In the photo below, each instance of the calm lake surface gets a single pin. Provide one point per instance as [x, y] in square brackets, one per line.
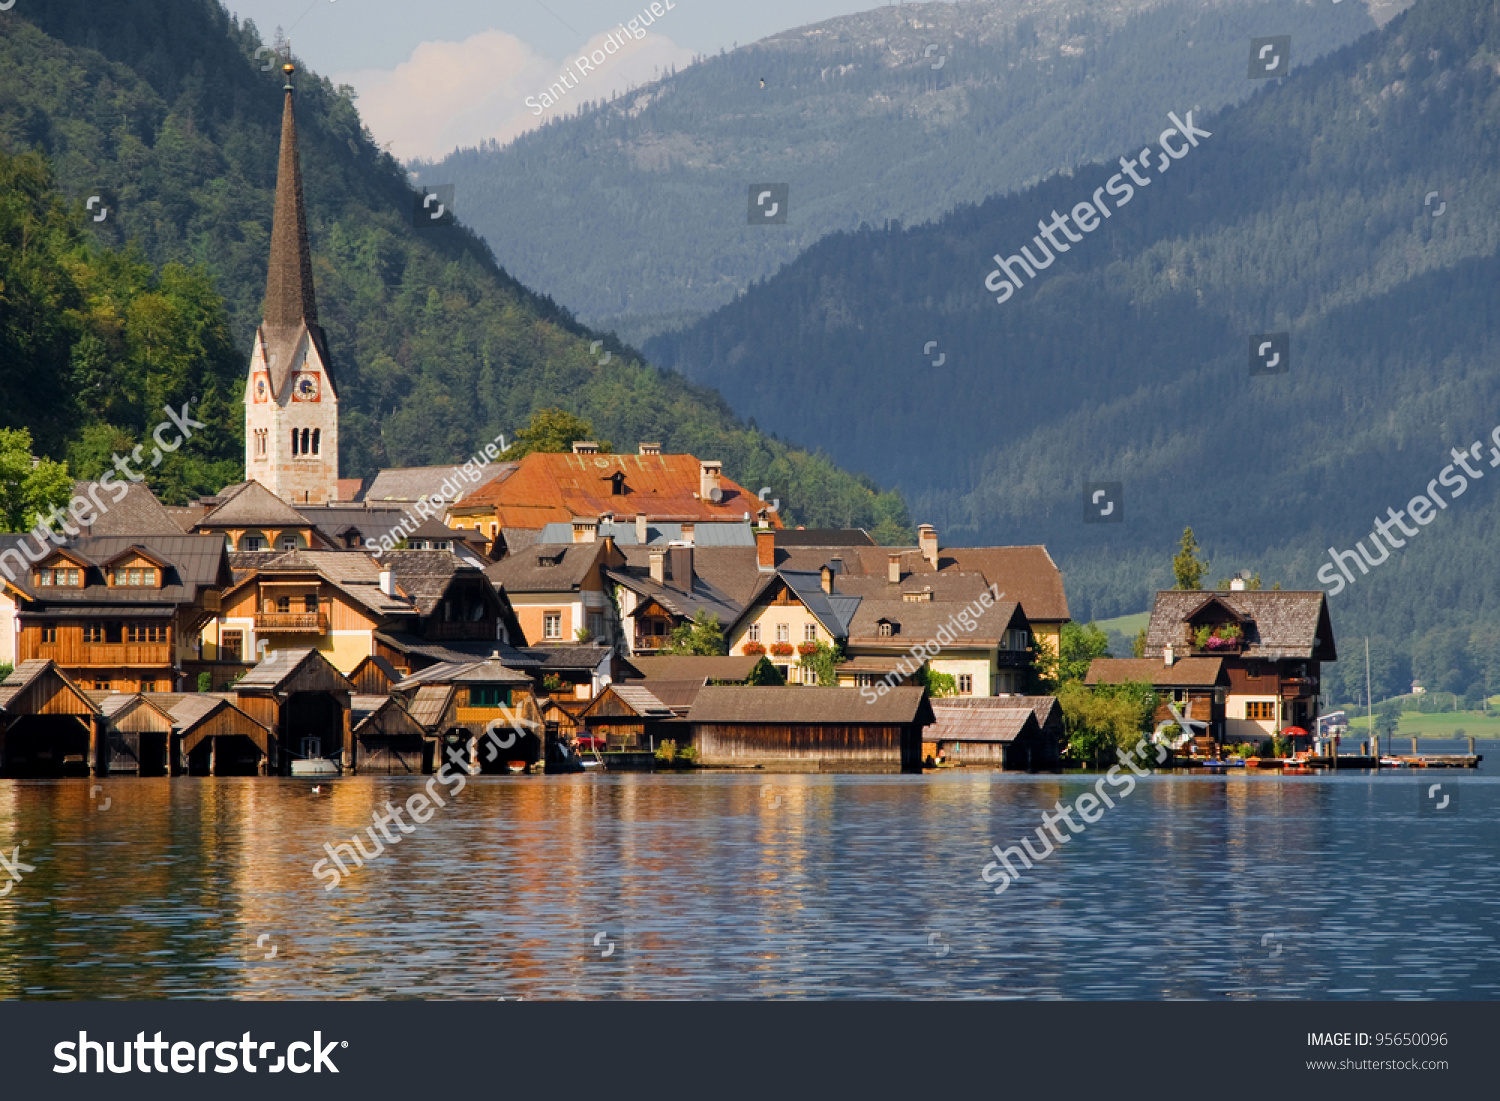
[719, 886]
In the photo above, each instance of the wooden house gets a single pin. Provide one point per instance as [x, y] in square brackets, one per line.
[1272, 645]
[304, 701]
[374, 676]
[801, 729]
[1004, 738]
[117, 613]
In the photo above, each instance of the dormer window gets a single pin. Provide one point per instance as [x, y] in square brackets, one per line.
[134, 577]
[617, 483]
[60, 577]
[887, 628]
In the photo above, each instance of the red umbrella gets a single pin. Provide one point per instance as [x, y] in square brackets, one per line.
[1294, 732]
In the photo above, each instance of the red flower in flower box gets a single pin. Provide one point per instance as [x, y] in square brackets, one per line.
[754, 648]
[781, 649]
[807, 649]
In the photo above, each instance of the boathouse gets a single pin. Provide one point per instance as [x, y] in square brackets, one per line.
[1005, 738]
[459, 703]
[387, 740]
[48, 725]
[304, 702]
[810, 729]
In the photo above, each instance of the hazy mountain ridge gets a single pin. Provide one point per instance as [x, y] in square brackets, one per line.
[634, 213]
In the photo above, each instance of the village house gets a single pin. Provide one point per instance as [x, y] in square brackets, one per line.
[550, 488]
[559, 591]
[1197, 687]
[663, 587]
[115, 612]
[350, 607]
[481, 713]
[1270, 646]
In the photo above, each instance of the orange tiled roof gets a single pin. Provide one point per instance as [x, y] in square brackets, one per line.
[554, 488]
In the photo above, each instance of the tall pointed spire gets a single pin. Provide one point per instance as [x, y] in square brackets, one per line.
[289, 281]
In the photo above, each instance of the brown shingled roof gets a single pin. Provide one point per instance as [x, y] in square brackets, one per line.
[1286, 624]
[1183, 673]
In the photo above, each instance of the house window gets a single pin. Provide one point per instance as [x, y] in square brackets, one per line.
[867, 680]
[283, 604]
[809, 632]
[755, 632]
[965, 684]
[783, 633]
[61, 576]
[93, 632]
[1017, 640]
[596, 624]
[552, 625]
[810, 677]
[135, 576]
[147, 632]
[489, 695]
[231, 645]
[310, 603]
[49, 635]
[288, 543]
[251, 543]
[1260, 709]
[886, 630]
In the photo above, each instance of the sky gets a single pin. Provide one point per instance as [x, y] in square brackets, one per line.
[448, 73]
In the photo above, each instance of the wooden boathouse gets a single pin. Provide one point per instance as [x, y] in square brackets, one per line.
[304, 701]
[810, 729]
[48, 725]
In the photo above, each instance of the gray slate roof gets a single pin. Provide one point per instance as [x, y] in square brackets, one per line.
[195, 562]
[412, 483]
[1287, 624]
[251, 504]
[138, 513]
[692, 667]
[976, 724]
[487, 671]
[545, 567]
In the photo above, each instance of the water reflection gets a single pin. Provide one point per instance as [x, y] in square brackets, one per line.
[716, 886]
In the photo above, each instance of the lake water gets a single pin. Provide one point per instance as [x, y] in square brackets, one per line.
[736, 886]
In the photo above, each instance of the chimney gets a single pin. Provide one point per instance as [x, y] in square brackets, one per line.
[584, 531]
[927, 540]
[708, 481]
[387, 583]
[893, 574]
[1237, 585]
[682, 567]
[585, 447]
[641, 535]
[688, 531]
[765, 550]
[1167, 656]
[650, 449]
[825, 575]
[658, 571]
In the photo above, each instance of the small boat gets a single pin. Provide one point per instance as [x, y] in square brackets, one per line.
[315, 766]
[1393, 762]
[517, 766]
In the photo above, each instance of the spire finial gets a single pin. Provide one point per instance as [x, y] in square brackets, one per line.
[288, 69]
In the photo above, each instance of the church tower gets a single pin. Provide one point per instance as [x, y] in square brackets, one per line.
[291, 407]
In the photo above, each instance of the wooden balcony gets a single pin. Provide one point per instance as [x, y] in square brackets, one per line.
[483, 714]
[306, 623]
[1293, 687]
[651, 642]
[108, 654]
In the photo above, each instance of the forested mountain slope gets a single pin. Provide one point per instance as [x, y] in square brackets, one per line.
[169, 109]
[1350, 205]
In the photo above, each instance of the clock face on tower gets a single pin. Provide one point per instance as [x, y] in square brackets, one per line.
[306, 387]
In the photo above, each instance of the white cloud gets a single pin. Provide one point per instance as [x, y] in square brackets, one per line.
[450, 94]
